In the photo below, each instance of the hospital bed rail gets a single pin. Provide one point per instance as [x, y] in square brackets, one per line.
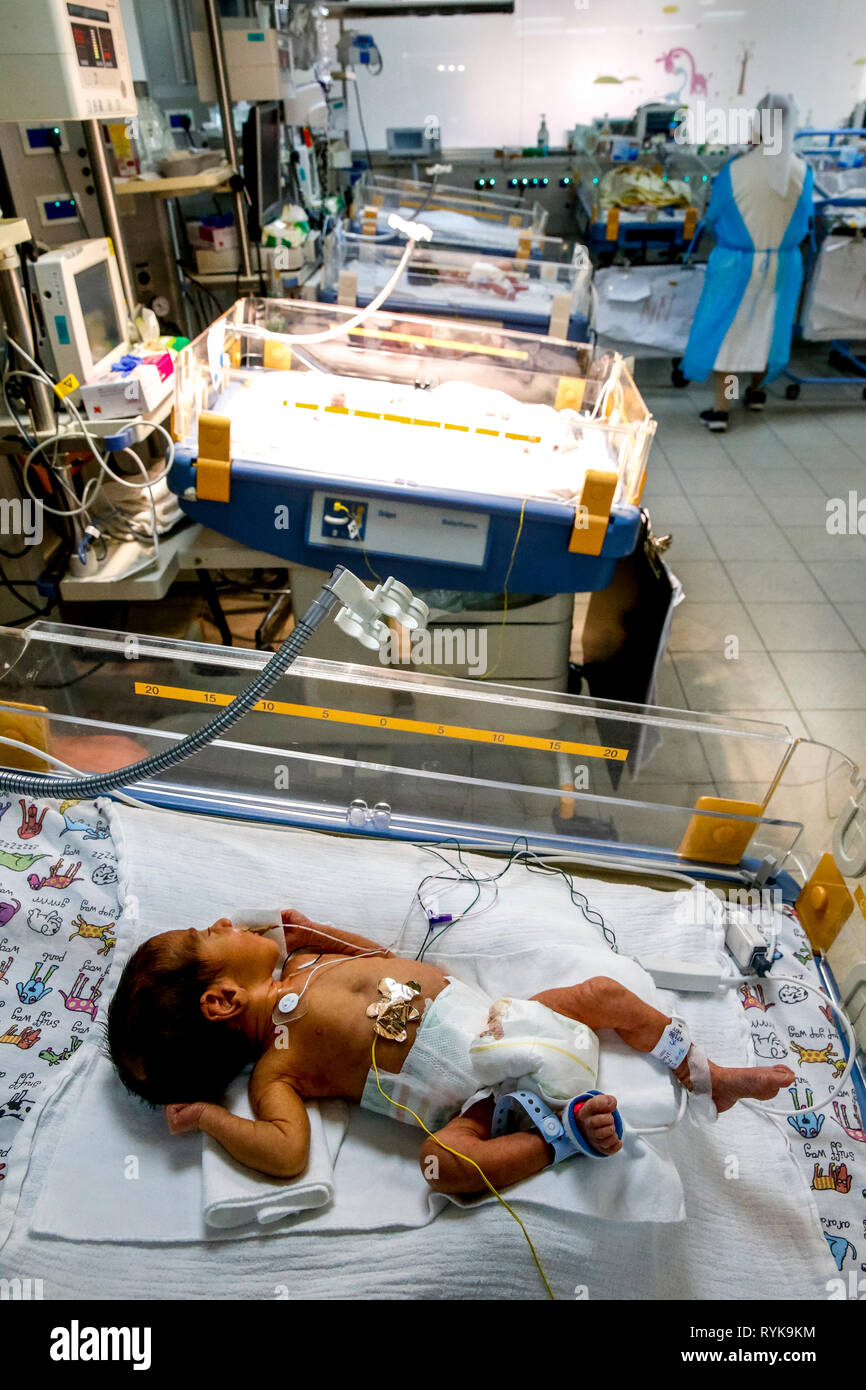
[832, 194]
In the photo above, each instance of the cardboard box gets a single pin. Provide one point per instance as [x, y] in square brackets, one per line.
[122, 395]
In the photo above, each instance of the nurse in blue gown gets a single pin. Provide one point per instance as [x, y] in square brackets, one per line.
[759, 213]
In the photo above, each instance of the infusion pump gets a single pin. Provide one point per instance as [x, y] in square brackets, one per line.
[63, 61]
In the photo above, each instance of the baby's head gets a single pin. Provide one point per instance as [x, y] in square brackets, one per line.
[188, 1011]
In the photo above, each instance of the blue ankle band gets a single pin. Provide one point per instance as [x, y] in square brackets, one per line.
[562, 1135]
[543, 1119]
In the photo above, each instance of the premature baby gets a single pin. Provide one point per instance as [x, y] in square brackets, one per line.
[193, 1008]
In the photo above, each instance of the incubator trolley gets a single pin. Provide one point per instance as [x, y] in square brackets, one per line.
[451, 455]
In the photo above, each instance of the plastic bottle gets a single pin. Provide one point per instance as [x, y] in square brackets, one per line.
[542, 139]
[605, 144]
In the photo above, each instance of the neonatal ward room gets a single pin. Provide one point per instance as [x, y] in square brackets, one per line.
[432, 667]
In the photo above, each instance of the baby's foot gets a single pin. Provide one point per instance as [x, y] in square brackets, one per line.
[595, 1122]
[730, 1084]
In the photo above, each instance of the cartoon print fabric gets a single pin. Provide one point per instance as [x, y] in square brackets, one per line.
[791, 1025]
[58, 911]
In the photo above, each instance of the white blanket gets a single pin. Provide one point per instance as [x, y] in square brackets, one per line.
[190, 879]
[233, 1195]
[752, 1233]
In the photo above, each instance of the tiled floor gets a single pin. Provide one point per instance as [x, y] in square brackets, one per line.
[748, 514]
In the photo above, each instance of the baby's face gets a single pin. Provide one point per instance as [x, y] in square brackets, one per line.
[240, 955]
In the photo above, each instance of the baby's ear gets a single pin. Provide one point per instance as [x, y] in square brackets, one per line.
[223, 1000]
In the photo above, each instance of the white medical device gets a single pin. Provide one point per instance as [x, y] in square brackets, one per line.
[61, 61]
[411, 140]
[83, 307]
[655, 118]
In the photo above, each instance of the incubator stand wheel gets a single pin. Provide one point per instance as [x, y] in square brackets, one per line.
[676, 374]
[792, 391]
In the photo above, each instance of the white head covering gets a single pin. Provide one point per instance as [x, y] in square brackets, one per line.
[776, 131]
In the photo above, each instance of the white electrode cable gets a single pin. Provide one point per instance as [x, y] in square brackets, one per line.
[65, 767]
[60, 435]
[415, 232]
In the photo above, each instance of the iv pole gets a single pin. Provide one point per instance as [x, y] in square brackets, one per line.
[107, 199]
[221, 81]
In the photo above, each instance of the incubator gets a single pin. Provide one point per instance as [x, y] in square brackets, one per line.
[532, 295]
[631, 206]
[450, 455]
[388, 752]
[502, 223]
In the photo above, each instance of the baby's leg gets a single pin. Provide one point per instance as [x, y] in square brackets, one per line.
[505, 1160]
[605, 1003]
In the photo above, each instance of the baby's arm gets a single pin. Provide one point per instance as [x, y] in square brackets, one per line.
[503, 1161]
[277, 1143]
[301, 932]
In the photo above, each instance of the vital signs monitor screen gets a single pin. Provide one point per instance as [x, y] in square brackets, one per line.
[103, 331]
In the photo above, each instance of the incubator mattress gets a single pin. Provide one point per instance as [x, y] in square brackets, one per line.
[535, 301]
[495, 444]
[758, 1225]
[459, 228]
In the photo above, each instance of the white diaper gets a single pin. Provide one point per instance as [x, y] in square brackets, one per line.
[466, 1040]
[540, 1050]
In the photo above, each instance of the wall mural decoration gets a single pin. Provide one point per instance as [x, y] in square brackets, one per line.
[681, 62]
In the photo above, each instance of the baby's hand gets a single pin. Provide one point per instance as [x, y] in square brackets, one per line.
[299, 930]
[292, 918]
[184, 1118]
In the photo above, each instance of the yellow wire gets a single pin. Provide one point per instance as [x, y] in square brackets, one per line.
[341, 507]
[511, 1212]
[505, 586]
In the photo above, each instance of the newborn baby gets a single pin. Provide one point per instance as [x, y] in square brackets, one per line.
[194, 1007]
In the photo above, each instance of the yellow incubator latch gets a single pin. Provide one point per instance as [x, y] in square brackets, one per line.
[592, 512]
[277, 355]
[214, 463]
[715, 840]
[824, 904]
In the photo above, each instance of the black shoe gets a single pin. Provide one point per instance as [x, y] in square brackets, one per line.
[754, 399]
[715, 420]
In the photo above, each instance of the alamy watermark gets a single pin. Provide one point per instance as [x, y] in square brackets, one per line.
[464, 648]
[762, 904]
[22, 517]
[701, 124]
[846, 516]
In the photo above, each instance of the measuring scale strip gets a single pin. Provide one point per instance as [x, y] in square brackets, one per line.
[383, 721]
[408, 420]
